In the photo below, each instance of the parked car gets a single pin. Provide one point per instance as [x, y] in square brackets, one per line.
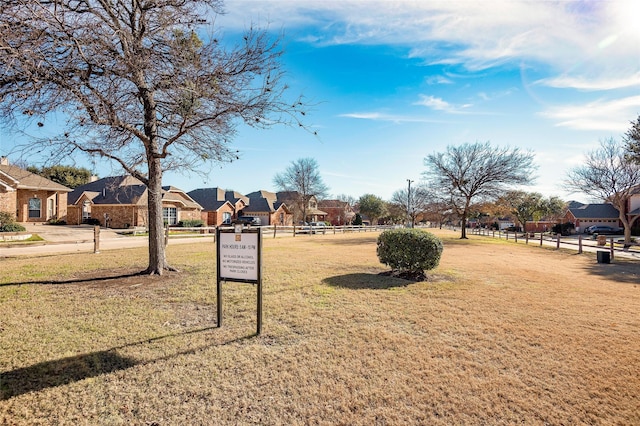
[303, 228]
[247, 220]
[318, 227]
[603, 229]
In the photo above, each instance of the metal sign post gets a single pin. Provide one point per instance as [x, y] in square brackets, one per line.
[239, 259]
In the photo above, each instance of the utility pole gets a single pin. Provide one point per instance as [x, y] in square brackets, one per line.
[409, 221]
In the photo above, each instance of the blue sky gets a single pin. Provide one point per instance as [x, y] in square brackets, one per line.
[393, 81]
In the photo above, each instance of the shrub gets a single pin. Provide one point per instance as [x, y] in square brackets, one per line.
[12, 227]
[6, 217]
[56, 222]
[193, 223]
[409, 250]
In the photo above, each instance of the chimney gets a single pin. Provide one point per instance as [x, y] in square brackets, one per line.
[4, 161]
[93, 178]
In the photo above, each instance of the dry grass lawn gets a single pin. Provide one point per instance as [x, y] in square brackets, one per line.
[499, 334]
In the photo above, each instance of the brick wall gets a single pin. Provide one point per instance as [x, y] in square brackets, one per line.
[8, 202]
[22, 205]
[211, 218]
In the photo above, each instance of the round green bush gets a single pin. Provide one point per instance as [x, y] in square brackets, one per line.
[12, 227]
[409, 250]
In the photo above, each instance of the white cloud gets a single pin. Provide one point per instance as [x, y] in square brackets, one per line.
[439, 104]
[434, 103]
[438, 79]
[579, 40]
[605, 115]
[592, 84]
[377, 116]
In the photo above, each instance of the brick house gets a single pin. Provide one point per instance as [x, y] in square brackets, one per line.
[585, 215]
[32, 198]
[268, 208]
[219, 206]
[338, 212]
[295, 204]
[121, 202]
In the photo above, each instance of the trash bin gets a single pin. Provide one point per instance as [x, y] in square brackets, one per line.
[604, 256]
[602, 240]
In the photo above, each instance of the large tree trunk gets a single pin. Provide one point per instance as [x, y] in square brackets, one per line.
[157, 258]
[463, 222]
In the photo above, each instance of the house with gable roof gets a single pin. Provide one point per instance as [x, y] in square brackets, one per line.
[219, 206]
[121, 202]
[338, 212]
[585, 215]
[296, 204]
[32, 198]
[267, 206]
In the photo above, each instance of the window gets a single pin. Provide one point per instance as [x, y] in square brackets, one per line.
[226, 217]
[86, 210]
[35, 205]
[170, 215]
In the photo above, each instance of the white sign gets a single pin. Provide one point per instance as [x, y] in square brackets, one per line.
[239, 256]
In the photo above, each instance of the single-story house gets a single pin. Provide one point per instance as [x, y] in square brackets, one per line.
[32, 198]
[585, 215]
[219, 206]
[121, 202]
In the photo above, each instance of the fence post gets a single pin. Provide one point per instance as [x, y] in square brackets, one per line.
[579, 244]
[166, 235]
[541, 239]
[611, 249]
[526, 238]
[96, 239]
[275, 227]
[515, 236]
[557, 241]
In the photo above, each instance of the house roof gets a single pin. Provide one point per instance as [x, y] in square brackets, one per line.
[264, 201]
[211, 199]
[262, 194]
[575, 204]
[595, 211]
[28, 180]
[126, 190]
[177, 195]
[111, 190]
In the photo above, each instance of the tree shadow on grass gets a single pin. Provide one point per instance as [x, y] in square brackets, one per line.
[87, 279]
[366, 281]
[60, 372]
[619, 270]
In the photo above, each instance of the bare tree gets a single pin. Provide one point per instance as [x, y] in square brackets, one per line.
[476, 171]
[412, 203]
[138, 86]
[609, 175]
[303, 178]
